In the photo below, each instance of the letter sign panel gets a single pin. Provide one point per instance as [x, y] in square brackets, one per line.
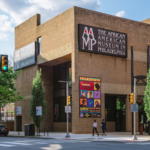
[18, 110]
[102, 41]
[25, 56]
[38, 110]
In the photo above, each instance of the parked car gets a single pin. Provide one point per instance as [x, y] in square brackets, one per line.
[3, 130]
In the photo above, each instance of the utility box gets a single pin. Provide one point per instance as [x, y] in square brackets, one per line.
[29, 129]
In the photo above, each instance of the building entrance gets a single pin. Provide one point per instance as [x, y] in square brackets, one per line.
[115, 111]
[18, 123]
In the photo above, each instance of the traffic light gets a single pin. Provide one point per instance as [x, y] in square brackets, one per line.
[131, 98]
[4, 63]
[68, 100]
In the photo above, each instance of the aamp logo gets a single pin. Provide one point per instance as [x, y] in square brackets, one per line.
[88, 39]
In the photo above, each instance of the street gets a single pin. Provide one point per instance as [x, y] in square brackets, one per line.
[24, 143]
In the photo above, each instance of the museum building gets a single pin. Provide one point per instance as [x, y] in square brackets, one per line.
[90, 49]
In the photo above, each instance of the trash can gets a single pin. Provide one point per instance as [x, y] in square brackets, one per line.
[29, 129]
[32, 130]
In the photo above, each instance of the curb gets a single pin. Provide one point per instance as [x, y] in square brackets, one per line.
[94, 140]
[30, 137]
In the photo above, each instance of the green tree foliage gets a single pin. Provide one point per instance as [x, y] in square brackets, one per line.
[147, 97]
[37, 99]
[7, 87]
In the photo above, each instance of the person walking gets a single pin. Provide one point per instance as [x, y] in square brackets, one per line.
[95, 127]
[103, 125]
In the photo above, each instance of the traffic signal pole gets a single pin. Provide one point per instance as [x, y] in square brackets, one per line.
[132, 74]
[67, 82]
[67, 135]
[134, 133]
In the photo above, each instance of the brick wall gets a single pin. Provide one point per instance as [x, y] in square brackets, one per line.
[115, 72]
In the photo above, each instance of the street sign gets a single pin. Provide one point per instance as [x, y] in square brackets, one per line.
[18, 110]
[134, 108]
[38, 110]
[67, 109]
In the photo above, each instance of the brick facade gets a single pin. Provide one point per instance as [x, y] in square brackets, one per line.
[60, 44]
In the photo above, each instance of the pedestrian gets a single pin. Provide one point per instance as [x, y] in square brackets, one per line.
[95, 127]
[103, 125]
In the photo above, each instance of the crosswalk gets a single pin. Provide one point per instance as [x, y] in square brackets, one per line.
[139, 143]
[54, 141]
[39, 142]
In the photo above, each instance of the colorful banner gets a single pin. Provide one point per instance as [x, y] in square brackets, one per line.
[84, 85]
[90, 97]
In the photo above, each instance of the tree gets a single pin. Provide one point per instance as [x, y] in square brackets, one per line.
[7, 87]
[37, 99]
[147, 97]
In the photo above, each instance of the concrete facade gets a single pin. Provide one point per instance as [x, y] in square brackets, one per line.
[60, 44]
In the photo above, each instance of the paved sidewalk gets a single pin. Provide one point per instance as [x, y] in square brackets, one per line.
[110, 136]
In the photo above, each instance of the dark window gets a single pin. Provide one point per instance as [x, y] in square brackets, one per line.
[61, 73]
[39, 45]
[62, 76]
[110, 108]
[56, 77]
[62, 102]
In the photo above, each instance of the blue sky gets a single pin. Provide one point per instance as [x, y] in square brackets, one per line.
[14, 12]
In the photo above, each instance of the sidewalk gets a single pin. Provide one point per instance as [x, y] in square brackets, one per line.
[111, 136]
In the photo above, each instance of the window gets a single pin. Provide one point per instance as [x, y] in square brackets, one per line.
[39, 45]
[60, 72]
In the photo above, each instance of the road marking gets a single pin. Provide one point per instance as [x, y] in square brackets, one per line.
[84, 141]
[142, 143]
[7, 145]
[28, 141]
[39, 143]
[17, 143]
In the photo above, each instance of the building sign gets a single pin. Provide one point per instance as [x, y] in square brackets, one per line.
[67, 109]
[38, 110]
[18, 110]
[102, 41]
[134, 108]
[25, 56]
[90, 97]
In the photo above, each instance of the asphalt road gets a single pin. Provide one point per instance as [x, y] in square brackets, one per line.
[24, 143]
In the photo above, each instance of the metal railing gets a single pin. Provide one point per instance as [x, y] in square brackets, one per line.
[47, 130]
[6, 116]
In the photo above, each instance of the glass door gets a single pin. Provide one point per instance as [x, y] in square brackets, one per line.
[120, 113]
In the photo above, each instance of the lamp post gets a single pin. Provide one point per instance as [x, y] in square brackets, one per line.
[67, 82]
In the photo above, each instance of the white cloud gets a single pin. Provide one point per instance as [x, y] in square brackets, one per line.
[98, 5]
[3, 18]
[5, 24]
[120, 14]
[17, 11]
[3, 36]
[20, 10]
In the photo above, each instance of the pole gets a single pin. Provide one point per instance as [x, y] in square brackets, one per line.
[67, 135]
[39, 125]
[132, 80]
[147, 58]
[134, 136]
